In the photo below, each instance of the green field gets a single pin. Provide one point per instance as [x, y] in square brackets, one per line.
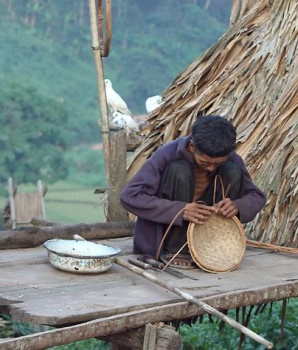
[68, 203]
[71, 204]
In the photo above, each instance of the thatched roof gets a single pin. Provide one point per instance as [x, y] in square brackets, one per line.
[250, 76]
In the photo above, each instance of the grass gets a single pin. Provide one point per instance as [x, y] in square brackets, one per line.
[70, 204]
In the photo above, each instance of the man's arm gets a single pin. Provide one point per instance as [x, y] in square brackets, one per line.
[140, 195]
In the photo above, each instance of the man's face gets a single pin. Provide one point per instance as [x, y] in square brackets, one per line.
[204, 162]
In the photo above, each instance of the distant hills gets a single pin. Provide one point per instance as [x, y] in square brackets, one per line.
[47, 45]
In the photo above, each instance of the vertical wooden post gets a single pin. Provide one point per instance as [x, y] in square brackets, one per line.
[12, 203]
[150, 337]
[117, 177]
[103, 121]
[41, 195]
[158, 337]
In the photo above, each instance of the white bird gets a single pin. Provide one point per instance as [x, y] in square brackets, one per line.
[124, 121]
[153, 102]
[114, 100]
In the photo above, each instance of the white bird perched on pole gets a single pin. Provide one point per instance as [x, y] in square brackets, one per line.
[114, 100]
[153, 102]
[124, 121]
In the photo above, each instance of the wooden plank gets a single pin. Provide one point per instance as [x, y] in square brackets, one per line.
[104, 326]
[38, 293]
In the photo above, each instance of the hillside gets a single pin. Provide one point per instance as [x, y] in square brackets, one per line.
[47, 45]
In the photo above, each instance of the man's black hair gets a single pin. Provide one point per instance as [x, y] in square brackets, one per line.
[214, 136]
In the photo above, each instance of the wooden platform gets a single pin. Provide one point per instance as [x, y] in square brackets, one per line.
[36, 292]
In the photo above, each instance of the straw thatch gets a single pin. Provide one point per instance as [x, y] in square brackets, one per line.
[249, 76]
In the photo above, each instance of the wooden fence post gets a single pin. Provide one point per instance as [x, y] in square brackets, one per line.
[117, 177]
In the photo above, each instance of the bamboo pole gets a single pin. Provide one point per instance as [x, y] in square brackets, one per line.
[189, 298]
[103, 121]
[197, 302]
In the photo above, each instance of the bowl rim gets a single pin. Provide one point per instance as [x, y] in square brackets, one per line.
[78, 256]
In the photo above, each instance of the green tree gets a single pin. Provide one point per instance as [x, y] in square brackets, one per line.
[152, 42]
[33, 137]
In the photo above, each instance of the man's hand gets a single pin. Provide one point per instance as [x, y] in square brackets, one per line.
[226, 208]
[197, 213]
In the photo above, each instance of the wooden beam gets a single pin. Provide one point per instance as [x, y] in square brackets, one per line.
[92, 329]
[28, 237]
[138, 318]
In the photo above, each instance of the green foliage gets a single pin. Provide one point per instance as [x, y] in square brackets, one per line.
[32, 139]
[12, 329]
[90, 344]
[152, 42]
[86, 166]
[268, 324]
[53, 71]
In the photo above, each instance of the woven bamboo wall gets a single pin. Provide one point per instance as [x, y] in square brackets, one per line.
[27, 206]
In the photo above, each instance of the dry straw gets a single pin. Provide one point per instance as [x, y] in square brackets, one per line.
[249, 76]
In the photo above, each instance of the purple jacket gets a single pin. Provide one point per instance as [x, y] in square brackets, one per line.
[140, 196]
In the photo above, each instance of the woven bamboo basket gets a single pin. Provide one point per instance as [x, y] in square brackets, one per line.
[218, 245]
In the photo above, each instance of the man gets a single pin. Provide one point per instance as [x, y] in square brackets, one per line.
[180, 177]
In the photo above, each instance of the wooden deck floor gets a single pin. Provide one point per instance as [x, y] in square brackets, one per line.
[37, 293]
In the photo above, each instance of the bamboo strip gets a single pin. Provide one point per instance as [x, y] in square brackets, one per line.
[274, 247]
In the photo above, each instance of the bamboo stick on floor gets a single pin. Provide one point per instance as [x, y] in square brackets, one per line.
[197, 302]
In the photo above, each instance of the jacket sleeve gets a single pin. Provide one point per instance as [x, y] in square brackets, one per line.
[252, 200]
[140, 195]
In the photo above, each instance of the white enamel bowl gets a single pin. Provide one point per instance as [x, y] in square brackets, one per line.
[80, 256]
